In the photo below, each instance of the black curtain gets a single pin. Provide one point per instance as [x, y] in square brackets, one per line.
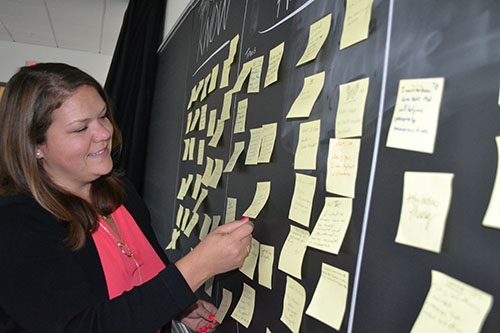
[131, 79]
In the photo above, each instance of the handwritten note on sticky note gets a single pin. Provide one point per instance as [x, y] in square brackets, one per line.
[303, 104]
[238, 149]
[216, 174]
[302, 199]
[196, 188]
[194, 122]
[192, 145]
[254, 80]
[243, 312]
[231, 209]
[259, 200]
[267, 144]
[212, 120]
[241, 116]
[201, 152]
[275, 56]
[248, 267]
[213, 79]
[173, 240]
[205, 87]
[185, 218]
[415, 119]
[342, 166]
[201, 198]
[226, 105]
[356, 22]
[224, 305]
[293, 251]
[351, 108]
[215, 222]
[188, 122]
[307, 148]
[209, 286]
[452, 306]
[207, 174]
[192, 223]
[186, 149]
[266, 260]
[330, 297]
[330, 229]
[293, 304]
[178, 220]
[226, 67]
[254, 146]
[207, 221]
[492, 217]
[426, 199]
[242, 76]
[318, 32]
[203, 118]
[217, 134]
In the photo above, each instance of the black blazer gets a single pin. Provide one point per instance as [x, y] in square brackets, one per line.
[45, 287]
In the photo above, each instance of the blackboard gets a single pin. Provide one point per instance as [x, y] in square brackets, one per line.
[388, 282]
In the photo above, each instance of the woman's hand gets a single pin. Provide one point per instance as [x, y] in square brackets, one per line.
[223, 250]
[200, 315]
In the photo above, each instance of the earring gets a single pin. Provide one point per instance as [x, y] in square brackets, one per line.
[38, 154]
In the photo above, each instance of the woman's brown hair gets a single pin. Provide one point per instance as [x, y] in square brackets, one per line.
[26, 107]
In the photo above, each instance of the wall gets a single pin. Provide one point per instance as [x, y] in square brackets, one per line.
[15, 55]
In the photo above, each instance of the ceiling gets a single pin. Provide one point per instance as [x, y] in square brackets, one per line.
[84, 25]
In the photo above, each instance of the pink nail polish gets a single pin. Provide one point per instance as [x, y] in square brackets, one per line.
[211, 317]
[209, 326]
[200, 330]
[204, 329]
[246, 218]
[215, 322]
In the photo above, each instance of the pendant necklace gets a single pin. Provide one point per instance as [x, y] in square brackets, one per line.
[122, 244]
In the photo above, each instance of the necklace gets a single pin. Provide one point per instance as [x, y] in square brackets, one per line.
[122, 245]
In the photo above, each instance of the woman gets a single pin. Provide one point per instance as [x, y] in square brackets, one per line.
[77, 250]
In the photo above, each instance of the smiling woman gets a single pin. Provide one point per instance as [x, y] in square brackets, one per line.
[74, 234]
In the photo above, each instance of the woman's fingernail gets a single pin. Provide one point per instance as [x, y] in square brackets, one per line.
[215, 322]
[209, 326]
[246, 218]
[204, 329]
[200, 330]
[211, 317]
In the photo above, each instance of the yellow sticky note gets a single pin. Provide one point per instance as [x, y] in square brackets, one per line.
[330, 297]
[318, 32]
[351, 108]
[226, 105]
[330, 229]
[209, 286]
[224, 305]
[238, 149]
[248, 267]
[302, 199]
[207, 221]
[216, 174]
[275, 56]
[192, 145]
[293, 305]
[356, 22]
[212, 120]
[452, 306]
[243, 312]
[259, 200]
[215, 222]
[254, 146]
[267, 143]
[180, 195]
[254, 80]
[201, 198]
[184, 187]
[213, 79]
[201, 152]
[188, 120]
[179, 216]
[203, 118]
[242, 76]
[231, 209]
[187, 142]
[302, 106]
[192, 98]
[196, 188]
[209, 168]
[342, 166]
[185, 218]
[192, 223]
[307, 148]
[241, 116]
[173, 240]
[293, 251]
[194, 122]
[415, 119]
[226, 67]
[492, 217]
[426, 199]
[206, 82]
[217, 134]
[266, 260]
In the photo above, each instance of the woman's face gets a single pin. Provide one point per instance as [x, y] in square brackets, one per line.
[77, 149]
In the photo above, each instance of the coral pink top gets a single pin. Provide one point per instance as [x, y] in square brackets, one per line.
[121, 271]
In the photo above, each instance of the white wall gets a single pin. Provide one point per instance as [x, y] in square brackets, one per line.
[14, 55]
[175, 8]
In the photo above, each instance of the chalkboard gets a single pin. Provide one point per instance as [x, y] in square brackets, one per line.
[388, 282]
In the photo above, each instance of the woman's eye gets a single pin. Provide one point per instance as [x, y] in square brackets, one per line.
[104, 117]
[81, 129]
